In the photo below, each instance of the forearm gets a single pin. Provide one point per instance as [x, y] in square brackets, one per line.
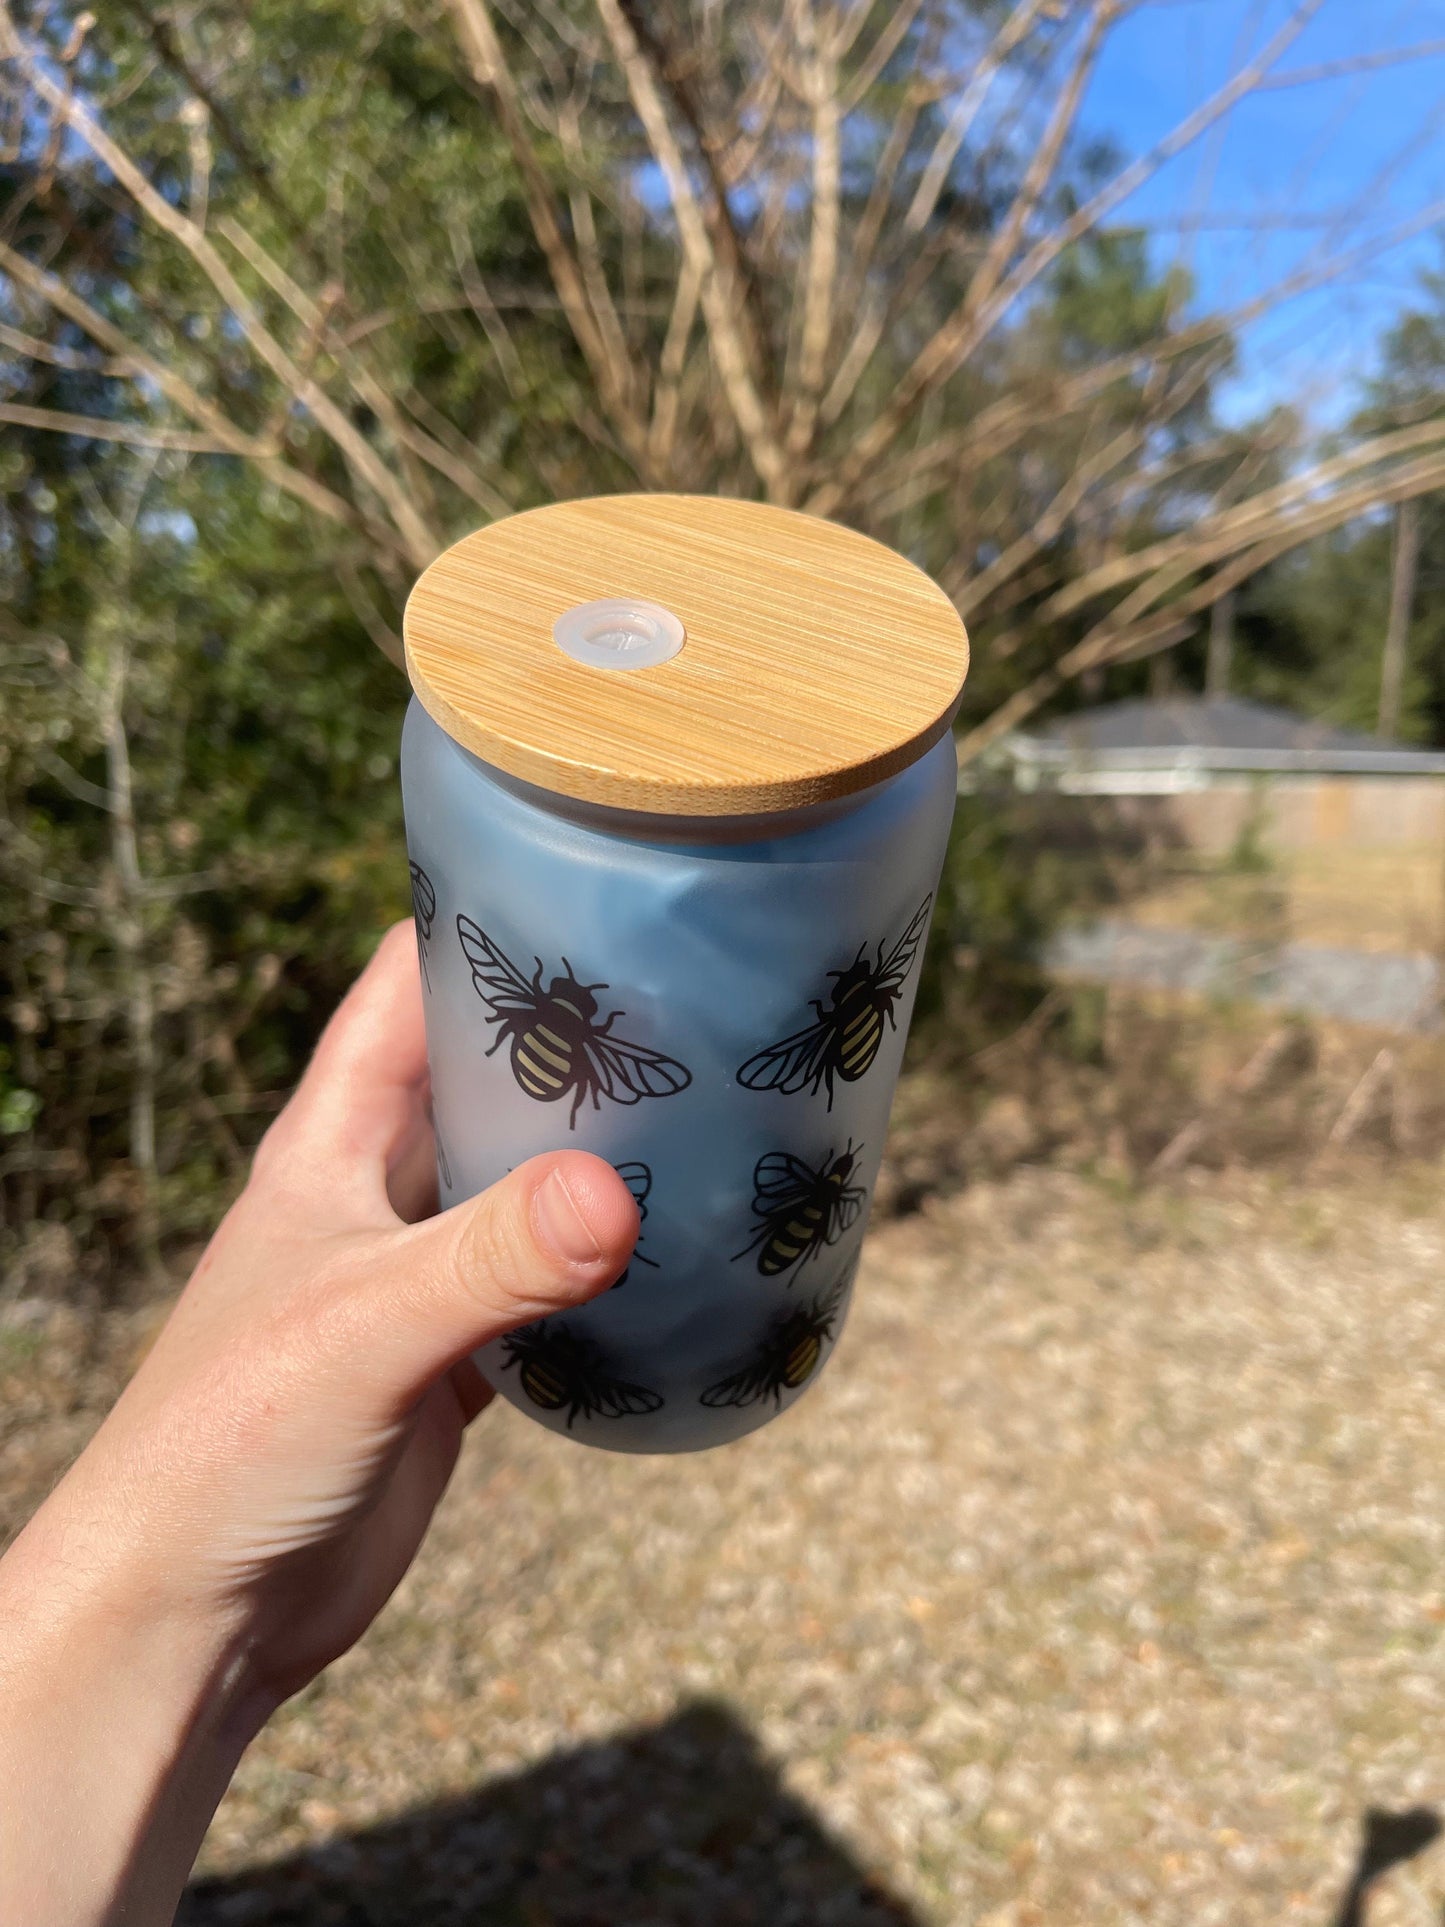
[265, 1479]
[120, 1725]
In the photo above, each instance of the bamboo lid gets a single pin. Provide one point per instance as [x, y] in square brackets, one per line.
[813, 660]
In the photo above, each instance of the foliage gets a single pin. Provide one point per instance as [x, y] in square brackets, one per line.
[290, 297]
[190, 969]
[1017, 867]
[1315, 623]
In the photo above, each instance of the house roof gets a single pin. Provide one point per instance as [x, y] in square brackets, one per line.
[1214, 732]
[1202, 722]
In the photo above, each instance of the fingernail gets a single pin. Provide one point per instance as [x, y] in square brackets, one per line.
[562, 1224]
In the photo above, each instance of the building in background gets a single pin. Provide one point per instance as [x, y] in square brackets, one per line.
[1211, 771]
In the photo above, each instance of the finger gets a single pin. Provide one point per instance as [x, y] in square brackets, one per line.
[366, 1083]
[553, 1233]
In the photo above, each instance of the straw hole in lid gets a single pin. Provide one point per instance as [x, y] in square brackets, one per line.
[619, 632]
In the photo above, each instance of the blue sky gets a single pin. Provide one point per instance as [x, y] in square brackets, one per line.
[1295, 157]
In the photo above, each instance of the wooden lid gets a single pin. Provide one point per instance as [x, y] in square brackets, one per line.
[815, 660]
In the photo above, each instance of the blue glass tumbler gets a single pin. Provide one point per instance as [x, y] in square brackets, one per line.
[678, 781]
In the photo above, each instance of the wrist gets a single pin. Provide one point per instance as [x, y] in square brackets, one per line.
[122, 1719]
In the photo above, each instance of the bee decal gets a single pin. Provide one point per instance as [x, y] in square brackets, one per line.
[638, 1179]
[801, 1210]
[424, 909]
[787, 1358]
[558, 1045]
[557, 1369]
[845, 1039]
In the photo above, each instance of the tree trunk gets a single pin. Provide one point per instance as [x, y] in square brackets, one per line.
[1220, 657]
[129, 935]
[1397, 632]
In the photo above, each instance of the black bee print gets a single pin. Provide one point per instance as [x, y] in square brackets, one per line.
[788, 1356]
[845, 1039]
[559, 1370]
[424, 909]
[801, 1209]
[638, 1179]
[558, 1046]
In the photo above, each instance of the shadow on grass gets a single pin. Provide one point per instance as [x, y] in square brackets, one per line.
[1386, 1840]
[680, 1825]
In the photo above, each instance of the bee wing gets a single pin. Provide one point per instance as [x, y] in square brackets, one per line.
[423, 899]
[741, 1388]
[498, 981]
[617, 1400]
[779, 1175]
[900, 958]
[791, 1064]
[845, 1211]
[627, 1072]
[638, 1179]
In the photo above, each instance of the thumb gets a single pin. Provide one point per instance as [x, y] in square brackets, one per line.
[553, 1233]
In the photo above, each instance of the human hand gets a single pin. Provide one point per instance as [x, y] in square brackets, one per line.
[267, 1476]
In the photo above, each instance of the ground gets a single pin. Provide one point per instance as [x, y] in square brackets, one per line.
[1100, 1578]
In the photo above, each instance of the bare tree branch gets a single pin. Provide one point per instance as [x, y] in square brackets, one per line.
[163, 38]
[189, 400]
[820, 73]
[101, 428]
[1109, 640]
[1355, 64]
[420, 541]
[669, 72]
[1201, 542]
[973, 320]
[478, 37]
[668, 392]
[718, 290]
[1010, 36]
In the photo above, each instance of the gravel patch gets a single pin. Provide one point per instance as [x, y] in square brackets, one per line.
[1396, 991]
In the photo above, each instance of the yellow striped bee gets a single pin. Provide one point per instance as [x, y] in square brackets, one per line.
[788, 1356]
[558, 1046]
[557, 1367]
[638, 1179]
[849, 1029]
[424, 909]
[801, 1209]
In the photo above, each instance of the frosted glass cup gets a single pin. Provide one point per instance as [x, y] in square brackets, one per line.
[713, 997]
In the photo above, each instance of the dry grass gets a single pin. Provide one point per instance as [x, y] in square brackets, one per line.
[1102, 1578]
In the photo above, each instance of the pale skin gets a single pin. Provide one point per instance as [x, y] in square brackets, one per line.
[267, 1476]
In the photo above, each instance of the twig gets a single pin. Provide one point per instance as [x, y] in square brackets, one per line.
[1361, 1100]
[102, 428]
[1183, 1145]
[1010, 36]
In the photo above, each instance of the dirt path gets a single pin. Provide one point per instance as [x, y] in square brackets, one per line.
[1101, 1579]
